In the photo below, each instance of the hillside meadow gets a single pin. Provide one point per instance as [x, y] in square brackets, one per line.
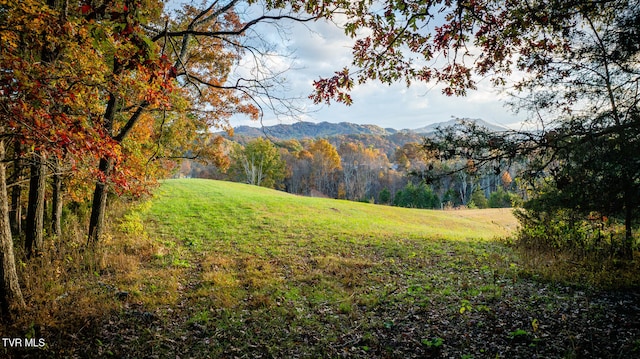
[210, 269]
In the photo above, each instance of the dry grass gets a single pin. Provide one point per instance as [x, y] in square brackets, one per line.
[597, 270]
[72, 284]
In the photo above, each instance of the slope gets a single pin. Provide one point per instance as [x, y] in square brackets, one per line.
[230, 270]
[203, 210]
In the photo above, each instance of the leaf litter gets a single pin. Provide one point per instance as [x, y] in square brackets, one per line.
[454, 305]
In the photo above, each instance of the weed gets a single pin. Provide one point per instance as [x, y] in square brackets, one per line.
[465, 306]
[518, 334]
[201, 317]
[181, 263]
[535, 325]
[345, 307]
[436, 342]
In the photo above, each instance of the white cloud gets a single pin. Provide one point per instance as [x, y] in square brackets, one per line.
[320, 48]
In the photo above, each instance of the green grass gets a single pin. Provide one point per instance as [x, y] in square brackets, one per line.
[245, 239]
[199, 211]
[241, 260]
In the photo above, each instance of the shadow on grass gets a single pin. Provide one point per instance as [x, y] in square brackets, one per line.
[401, 298]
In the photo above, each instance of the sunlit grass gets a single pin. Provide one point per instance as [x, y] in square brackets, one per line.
[228, 211]
[234, 244]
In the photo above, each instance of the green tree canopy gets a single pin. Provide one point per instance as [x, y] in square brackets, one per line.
[258, 163]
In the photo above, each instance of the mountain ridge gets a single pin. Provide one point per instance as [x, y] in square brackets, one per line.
[310, 130]
[434, 126]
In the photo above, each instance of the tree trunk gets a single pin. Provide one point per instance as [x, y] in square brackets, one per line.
[99, 205]
[34, 239]
[628, 238]
[56, 210]
[15, 213]
[11, 300]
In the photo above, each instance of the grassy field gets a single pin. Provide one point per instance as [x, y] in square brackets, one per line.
[250, 243]
[210, 269]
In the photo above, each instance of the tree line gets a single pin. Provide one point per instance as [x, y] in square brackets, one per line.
[343, 168]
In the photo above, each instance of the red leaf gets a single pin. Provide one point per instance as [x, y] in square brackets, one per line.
[85, 9]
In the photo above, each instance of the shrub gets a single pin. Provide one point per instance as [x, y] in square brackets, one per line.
[503, 199]
[385, 196]
[478, 199]
[420, 196]
[569, 231]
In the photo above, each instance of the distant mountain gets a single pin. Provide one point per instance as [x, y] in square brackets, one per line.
[310, 130]
[302, 130]
[434, 126]
[385, 139]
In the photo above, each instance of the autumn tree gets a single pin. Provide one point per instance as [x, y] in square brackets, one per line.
[39, 107]
[301, 165]
[467, 184]
[57, 203]
[412, 159]
[361, 169]
[138, 78]
[34, 241]
[45, 94]
[11, 299]
[325, 163]
[17, 175]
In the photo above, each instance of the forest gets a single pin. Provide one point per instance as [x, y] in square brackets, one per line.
[391, 168]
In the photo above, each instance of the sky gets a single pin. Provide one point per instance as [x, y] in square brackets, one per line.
[318, 49]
